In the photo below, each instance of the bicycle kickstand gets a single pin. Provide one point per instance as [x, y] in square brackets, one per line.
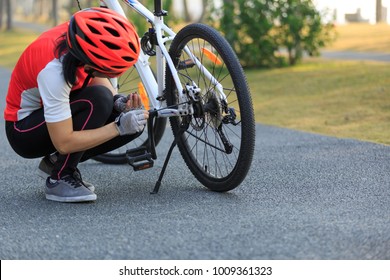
[174, 143]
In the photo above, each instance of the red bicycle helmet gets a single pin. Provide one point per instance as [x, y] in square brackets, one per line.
[103, 39]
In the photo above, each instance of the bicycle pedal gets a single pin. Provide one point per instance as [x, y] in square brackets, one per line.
[188, 63]
[139, 158]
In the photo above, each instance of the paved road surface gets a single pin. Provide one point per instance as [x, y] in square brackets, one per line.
[306, 197]
[349, 55]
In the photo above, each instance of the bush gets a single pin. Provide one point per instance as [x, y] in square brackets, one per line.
[300, 29]
[259, 30]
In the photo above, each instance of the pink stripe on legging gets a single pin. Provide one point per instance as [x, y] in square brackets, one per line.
[27, 130]
[82, 128]
[90, 113]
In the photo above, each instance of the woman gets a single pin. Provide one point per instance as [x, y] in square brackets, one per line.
[61, 104]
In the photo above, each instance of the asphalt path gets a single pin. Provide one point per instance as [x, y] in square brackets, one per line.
[307, 196]
[352, 55]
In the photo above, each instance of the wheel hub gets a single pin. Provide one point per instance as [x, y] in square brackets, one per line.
[213, 109]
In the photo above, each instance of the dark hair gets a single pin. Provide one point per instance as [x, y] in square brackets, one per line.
[69, 61]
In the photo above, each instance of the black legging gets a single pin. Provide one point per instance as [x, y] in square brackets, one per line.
[91, 108]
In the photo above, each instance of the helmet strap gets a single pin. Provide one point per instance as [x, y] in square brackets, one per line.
[86, 81]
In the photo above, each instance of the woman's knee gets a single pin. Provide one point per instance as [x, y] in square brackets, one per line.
[91, 107]
[102, 99]
[97, 100]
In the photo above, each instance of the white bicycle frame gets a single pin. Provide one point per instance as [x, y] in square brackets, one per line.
[155, 88]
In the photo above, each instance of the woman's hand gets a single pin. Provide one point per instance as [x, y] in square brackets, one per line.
[123, 104]
[131, 122]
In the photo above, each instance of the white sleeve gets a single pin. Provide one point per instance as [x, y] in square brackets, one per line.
[54, 92]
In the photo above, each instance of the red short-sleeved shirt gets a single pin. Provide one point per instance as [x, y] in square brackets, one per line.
[37, 81]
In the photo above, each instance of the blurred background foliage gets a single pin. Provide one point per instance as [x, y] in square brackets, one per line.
[339, 98]
[268, 33]
[264, 33]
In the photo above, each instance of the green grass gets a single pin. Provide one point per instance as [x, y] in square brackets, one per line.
[12, 43]
[362, 37]
[343, 99]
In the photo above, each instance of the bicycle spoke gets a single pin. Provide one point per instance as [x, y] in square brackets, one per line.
[214, 141]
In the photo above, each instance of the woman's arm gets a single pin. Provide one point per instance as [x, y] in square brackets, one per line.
[67, 141]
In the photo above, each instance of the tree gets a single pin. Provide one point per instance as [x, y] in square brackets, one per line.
[247, 25]
[1, 14]
[141, 24]
[188, 15]
[301, 29]
[379, 18]
[9, 14]
[55, 12]
[259, 29]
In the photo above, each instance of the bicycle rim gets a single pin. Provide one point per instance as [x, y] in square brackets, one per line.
[219, 139]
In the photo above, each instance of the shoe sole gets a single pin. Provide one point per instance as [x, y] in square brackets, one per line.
[91, 197]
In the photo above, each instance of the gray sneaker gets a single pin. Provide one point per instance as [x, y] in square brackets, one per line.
[46, 166]
[68, 189]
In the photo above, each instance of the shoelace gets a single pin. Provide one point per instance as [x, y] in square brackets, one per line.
[73, 180]
[77, 175]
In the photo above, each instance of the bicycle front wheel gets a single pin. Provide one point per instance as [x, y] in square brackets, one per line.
[219, 138]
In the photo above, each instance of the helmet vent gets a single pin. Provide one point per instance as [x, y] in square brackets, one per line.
[128, 58]
[89, 41]
[99, 19]
[111, 45]
[93, 29]
[120, 23]
[133, 48]
[98, 56]
[112, 31]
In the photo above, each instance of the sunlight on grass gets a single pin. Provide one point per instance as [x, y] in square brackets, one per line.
[12, 45]
[362, 37]
[345, 99]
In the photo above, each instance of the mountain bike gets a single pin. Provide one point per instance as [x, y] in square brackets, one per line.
[194, 78]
